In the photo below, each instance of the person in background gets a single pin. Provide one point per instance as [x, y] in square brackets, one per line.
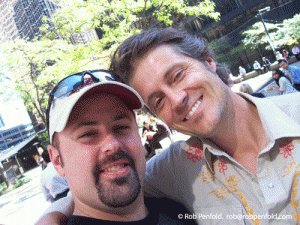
[292, 72]
[242, 72]
[285, 54]
[230, 80]
[147, 128]
[53, 186]
[279, 56]
[257, 67]
[148, 132]
[296, 52]
[266, 64]
[162, 132]
[43, 157]
[284, 84]
[246, 88]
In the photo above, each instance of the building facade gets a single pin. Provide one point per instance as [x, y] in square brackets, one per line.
[22, 18]
[15, 135]
[15, 123]
[28, 16]
[8, 28]
[18, 139]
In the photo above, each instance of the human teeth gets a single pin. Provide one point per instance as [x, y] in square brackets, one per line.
[194, 108]
[114, 168]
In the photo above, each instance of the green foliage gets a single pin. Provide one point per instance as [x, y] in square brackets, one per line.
[3, 187]
[20, 182]
[256, 35]
[44, 139]
[38, 65]
[289, 31]
[224, 51]
[119, 19]
[285, 33]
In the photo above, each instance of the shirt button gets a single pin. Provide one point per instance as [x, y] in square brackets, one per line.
[271, 185]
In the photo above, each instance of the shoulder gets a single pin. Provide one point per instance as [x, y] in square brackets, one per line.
[174, 151]
[283, 79]
[294, 68]
[289, 104]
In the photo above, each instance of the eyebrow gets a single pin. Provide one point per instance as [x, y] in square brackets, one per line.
[122, 116]
[92, 123]
[85, 123]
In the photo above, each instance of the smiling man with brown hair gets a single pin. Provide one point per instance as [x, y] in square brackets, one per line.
[243, 159]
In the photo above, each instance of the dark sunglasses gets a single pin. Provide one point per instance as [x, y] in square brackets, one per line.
[75, 82]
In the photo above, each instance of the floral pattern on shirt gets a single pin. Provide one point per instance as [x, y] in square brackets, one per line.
[286, 147]
[195, 152]
[231, 187]
[222, 166]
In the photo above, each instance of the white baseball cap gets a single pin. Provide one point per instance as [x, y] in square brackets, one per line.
[61, 108]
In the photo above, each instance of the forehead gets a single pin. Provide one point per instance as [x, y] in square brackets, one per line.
[156, 62]
[104, 107]
[162, 53]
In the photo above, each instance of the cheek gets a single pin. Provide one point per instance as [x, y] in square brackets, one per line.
[135, 146]
[77, 163]
[167, 116]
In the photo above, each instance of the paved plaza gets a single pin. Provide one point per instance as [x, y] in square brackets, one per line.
[25, 204]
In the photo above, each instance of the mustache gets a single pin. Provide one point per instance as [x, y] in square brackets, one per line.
[120, 154]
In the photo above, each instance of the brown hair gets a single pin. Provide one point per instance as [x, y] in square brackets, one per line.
[134, 48]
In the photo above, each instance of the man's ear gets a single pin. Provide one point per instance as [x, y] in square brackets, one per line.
[211, 64]
[56, 160]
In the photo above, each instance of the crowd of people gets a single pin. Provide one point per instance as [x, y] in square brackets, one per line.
[235, 143]
[265, 64]
[287, 80]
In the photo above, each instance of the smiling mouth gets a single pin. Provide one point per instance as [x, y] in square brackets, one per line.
[114, 168]
[194, 108]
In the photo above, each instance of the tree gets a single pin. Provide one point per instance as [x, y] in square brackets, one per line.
[37, 66]
[289, 31]
[285, 33]
[119, 19]
[256, 35]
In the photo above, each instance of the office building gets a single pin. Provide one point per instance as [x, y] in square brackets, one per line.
[22, 18]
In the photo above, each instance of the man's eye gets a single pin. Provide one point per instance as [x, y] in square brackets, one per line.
[158, 102]
[178, 75]
[121, 128]
[88, 134]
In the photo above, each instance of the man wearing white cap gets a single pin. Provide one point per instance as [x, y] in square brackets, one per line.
[96, 145]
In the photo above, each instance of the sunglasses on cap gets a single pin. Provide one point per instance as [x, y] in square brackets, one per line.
[75, 82]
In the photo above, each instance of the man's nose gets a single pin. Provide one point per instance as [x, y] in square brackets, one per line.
[109, 144]
[178, 101]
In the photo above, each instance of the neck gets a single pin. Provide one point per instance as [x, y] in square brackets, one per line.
[241, 131]
[134, 212]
